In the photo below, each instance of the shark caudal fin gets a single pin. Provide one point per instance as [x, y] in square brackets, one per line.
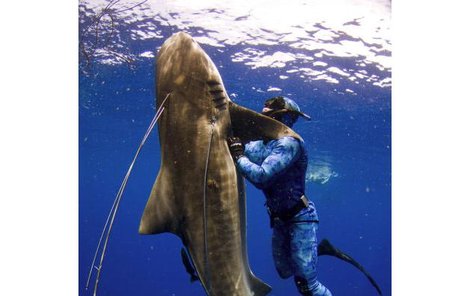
[249, 125]
[326, 248]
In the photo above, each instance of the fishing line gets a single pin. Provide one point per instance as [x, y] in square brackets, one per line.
[206, 261]
[112, 213]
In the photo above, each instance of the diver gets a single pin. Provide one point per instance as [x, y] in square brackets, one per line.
[278, 168]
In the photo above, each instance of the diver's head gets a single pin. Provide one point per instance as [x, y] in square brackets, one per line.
[284, 110]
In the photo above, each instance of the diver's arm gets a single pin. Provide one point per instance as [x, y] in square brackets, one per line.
[283, 155]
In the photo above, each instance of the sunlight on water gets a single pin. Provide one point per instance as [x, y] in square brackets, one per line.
[311, 34]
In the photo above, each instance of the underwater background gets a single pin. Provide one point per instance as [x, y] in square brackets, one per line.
[332, 57]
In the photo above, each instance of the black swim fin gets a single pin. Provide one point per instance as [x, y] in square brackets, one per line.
[326, 248]
[188, 266]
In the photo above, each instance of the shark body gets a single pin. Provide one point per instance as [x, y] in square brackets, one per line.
[198, 194]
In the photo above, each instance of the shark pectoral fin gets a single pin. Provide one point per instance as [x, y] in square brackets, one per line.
[157, 216]
[249, 125]
[326, 248]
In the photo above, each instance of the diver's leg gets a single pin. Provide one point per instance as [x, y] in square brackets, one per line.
[304, 259]
[281, 250]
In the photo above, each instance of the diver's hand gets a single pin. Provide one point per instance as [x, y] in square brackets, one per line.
[236, 147]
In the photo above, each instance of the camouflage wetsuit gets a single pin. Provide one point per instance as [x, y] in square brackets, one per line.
[278, 167]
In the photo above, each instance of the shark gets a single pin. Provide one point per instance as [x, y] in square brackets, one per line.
[198, 194]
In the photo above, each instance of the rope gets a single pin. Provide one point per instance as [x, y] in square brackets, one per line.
[206, 261]
[112, 213]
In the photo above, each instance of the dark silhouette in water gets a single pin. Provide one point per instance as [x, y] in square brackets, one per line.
[326, 248]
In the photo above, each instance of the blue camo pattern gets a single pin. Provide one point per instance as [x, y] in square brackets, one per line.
[278, 167]
[294, 245]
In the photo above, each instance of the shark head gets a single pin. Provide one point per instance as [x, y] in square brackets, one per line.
[184, 67]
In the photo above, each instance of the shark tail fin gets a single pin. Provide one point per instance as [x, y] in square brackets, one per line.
[326, 248]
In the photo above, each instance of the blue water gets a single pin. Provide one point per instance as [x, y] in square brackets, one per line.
[334, 64]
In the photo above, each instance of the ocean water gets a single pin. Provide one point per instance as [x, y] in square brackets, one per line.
[332, 57]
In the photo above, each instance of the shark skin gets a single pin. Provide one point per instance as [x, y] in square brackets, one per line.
[198, 194]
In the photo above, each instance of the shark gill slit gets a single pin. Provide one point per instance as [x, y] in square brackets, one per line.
[218, 95]
[212, 83]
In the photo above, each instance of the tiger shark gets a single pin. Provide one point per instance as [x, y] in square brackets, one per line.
[198, 194]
